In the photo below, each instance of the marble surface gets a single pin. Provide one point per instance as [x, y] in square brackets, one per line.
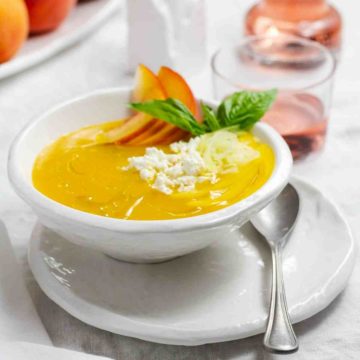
[100, 62]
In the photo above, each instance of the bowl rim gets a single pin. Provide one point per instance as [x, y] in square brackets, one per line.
[34, 198]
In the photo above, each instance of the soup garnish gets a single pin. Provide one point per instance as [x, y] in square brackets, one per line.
[163, 162]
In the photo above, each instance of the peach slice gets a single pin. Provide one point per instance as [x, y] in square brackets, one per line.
[173, 85]
[135, 126]
[94, 134]
[158, 137]
[176, 87]
[142, 129]
[175, 136]
[147, 85]
[155, 128]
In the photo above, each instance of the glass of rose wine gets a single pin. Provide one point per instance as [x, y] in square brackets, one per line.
[301, 70]
[314, 20]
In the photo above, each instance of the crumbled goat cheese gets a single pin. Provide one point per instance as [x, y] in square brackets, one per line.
[180, 170]
[190, 163]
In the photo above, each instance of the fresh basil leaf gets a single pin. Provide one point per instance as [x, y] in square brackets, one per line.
[238, 111]
[210, 120]
[245, 108]
[172, 111]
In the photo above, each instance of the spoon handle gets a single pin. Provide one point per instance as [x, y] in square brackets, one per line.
[279, 335]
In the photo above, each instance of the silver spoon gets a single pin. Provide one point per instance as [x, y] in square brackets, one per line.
[275, 222]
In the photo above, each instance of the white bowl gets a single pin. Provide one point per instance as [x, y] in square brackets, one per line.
[129, 240]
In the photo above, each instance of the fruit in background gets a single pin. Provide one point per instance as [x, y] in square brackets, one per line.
[176, 87]
[47, 15]
[14, 27]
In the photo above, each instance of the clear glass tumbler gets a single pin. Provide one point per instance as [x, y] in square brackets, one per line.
[301, 70]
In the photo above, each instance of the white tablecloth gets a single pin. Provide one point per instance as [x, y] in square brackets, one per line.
[99, 62]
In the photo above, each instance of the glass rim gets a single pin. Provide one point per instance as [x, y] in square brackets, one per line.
[248, 39]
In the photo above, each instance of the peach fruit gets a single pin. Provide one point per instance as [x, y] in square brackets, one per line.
[47, 15]
[14, 27]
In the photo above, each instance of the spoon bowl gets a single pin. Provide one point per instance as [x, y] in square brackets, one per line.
[278, 219]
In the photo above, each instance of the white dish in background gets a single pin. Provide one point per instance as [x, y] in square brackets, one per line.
[217, 294]
[84, 18]
[130, 240]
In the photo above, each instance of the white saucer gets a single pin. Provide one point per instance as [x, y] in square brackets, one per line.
[84, 18]
[217, 294]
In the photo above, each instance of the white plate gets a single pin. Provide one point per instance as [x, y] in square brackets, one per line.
[217, 294]
[85, 18]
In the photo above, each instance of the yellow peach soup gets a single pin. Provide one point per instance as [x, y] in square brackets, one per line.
[106, 179]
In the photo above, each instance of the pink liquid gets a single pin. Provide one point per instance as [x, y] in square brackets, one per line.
[312, 19]
[299, 119]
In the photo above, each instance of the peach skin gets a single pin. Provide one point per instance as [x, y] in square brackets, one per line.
[14, 27]
[176, 87]
[47, 15]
